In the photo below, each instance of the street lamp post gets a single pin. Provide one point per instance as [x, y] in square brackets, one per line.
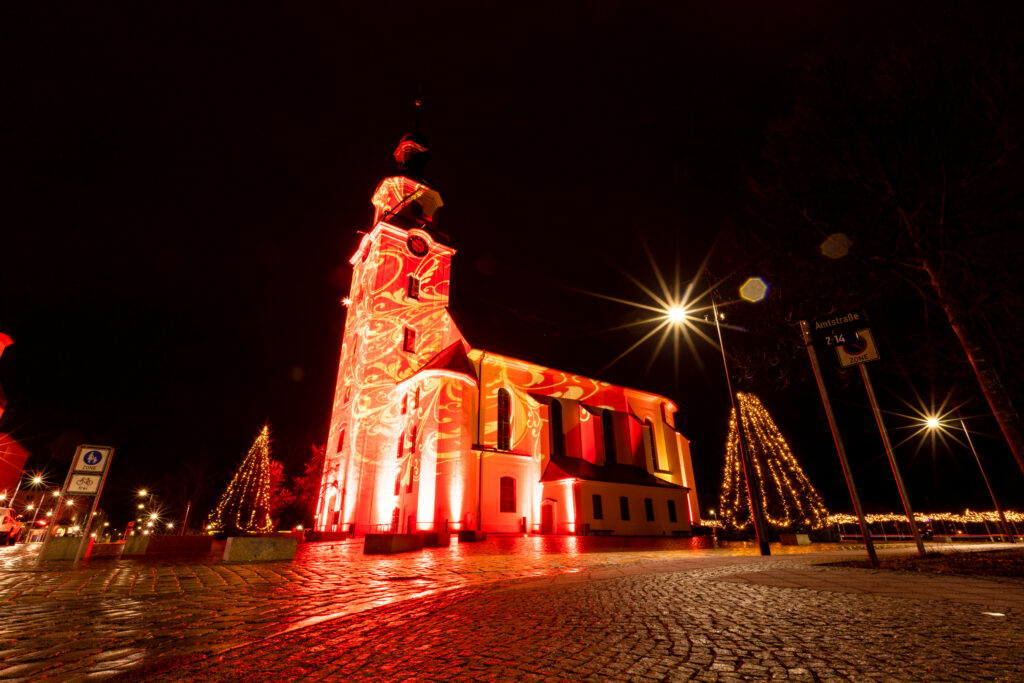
[753, 493]
[935, 423]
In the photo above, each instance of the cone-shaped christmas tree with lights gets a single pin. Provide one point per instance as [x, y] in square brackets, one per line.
[244, 506]
[790, 501]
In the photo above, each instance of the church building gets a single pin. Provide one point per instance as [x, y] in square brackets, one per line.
[430, 433]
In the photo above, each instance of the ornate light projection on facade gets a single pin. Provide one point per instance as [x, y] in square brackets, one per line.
[414, 441]
[789, 498]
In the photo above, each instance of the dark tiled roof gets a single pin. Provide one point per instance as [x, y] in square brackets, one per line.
[453, 359]
[562, 467]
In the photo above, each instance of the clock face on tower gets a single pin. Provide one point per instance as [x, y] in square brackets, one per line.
[417, 245]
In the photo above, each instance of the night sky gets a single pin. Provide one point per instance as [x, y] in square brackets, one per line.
[182, 188]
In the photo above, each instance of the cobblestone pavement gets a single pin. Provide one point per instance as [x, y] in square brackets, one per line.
[513, 608]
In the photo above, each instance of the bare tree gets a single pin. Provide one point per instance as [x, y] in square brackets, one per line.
[898, 170]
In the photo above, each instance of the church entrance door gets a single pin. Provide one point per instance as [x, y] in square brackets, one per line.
[547, 519]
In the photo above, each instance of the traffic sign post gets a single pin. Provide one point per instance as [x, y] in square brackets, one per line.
[851, 337]
[86, 476]
[840, 448]
[892, 460]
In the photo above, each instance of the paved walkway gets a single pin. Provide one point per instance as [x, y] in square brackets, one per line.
[514, 608]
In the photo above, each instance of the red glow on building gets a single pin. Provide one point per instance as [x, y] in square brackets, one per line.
[417, 441]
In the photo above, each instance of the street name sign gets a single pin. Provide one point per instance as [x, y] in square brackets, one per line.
[849, 335]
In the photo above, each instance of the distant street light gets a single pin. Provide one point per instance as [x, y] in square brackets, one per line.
[932, 422]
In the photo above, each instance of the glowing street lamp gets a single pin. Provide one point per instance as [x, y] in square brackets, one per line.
[678, 314]
[35, 482]
[933, 422]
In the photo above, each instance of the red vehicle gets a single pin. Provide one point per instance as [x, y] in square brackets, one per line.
[10, 527]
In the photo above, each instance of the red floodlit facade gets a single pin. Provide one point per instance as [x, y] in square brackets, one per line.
[430, 433]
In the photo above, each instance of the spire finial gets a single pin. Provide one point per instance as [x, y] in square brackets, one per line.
[416, 121]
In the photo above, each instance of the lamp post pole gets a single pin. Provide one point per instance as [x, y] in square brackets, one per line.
[1002, 517]
[753, 492]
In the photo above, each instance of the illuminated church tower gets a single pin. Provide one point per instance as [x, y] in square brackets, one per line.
[429, 433]
[397, 320]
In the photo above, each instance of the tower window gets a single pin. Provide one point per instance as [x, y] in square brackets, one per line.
[672, 511]
[649, 433]
[507, 495]
[608, 431]
[341, 439]
[624, 508]
[409, 341]
[504, 420]
[598, 510]
[557, 436]
[414, 287]
[649, 509]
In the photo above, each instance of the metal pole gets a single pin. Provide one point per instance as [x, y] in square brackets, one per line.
[32, 524]
[16, 489]
[95, 504]
[753, 494]
[892, 458]
[1002, 517]
[840, 448]
[184, 524]
[88, 526]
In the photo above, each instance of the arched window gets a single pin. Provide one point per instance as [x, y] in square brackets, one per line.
[341, 439]
[649, 432]
[507, 494]
[608, 430]
[557, 435]
[504, 420]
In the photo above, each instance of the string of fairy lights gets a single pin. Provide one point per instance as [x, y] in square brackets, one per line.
[789, 498]
[244, 506]
[966, 517]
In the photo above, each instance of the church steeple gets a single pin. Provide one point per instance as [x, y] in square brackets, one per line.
[407, 199]
[412, 153]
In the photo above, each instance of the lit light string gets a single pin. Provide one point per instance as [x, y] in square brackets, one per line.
[788, 497]
[245, 505]
[967, 517]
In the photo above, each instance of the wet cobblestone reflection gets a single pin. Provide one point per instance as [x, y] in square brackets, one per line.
[198, 618]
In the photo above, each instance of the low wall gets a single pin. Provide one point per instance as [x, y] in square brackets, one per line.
[318, 536]
[386, 544]
[794, 539]
[436, 539]
[144, 545]
[260, 549]
[65, 548]
[101, 550]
